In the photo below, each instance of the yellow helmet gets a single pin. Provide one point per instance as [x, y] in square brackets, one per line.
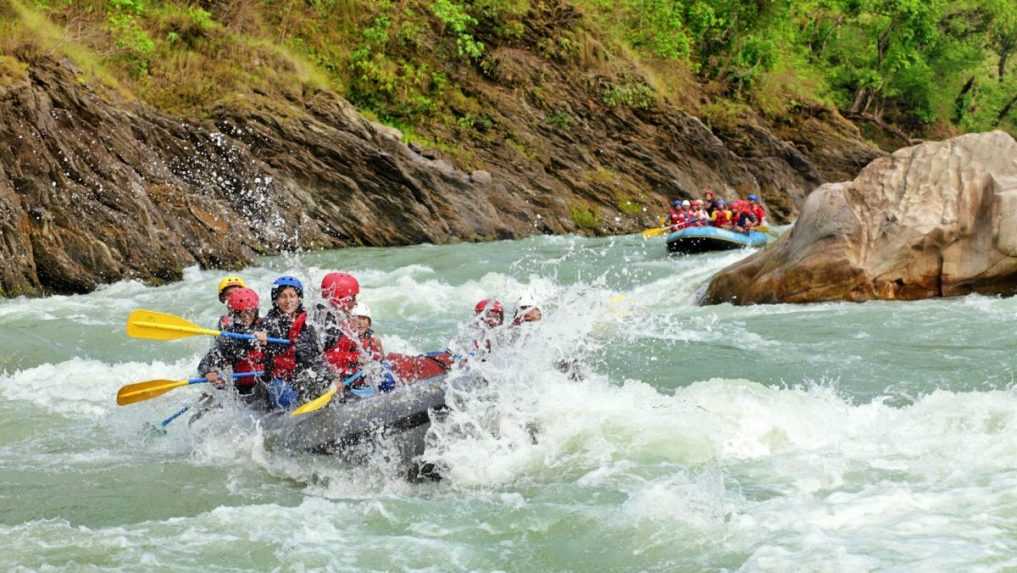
[232, 281]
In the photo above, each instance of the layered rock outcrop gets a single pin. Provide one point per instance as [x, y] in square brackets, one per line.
[937, 219]
[96, 188]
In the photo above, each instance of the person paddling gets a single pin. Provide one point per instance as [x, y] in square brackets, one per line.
[239, 355]
[333, 317]
[675, 217]
[699, 216]
[226, 286]
[757, 209]
[744, 218]
[296, 372]
[712, 202]
[363, 324]
[722, 217]
[527, 311]
[684, 218]
[489, 314]
[371, 350]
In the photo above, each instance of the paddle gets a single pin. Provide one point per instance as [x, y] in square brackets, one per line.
[152, 325]
[142, 391]
[655, 231]
[323, 400]
[179, 413]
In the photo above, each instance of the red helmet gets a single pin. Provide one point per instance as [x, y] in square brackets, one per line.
[337, 286]
[495, 306]
[242, 299]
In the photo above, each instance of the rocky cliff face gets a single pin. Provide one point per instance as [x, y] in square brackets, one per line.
[95, 189]
[937, 219]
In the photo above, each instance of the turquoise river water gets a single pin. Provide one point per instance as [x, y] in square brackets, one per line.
[826, 437]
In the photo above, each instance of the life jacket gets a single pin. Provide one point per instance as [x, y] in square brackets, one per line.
[251, 362]
[758, 211]
[284, 364]
[370, 344]
[722, 218]
[675, 216]
[680, 220]
[745, 219]
[343, 356]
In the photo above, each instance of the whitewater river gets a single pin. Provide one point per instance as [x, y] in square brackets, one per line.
[827, 437]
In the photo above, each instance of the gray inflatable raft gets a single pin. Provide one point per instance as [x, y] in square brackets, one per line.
[395, 422]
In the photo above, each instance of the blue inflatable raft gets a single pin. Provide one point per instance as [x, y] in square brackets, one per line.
[703, 239]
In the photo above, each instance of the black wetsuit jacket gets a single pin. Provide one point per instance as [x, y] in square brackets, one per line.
[310, 372]
[226, 351]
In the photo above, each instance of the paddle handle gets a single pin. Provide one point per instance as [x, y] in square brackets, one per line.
[179, 413]
[353, 378]
[239, 336]
[235, 376]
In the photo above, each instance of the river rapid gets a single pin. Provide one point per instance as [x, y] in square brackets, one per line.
[826, 437]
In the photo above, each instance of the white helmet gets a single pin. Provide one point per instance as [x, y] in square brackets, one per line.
[686, 203]
[526, 300]
[362, 310]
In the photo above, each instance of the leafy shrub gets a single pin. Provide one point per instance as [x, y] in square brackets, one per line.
[631, 95]
[723, 114]
[585, 217]
[559, 120]
[12, 70]
[630, 208]
[455, 18]
[185, 26]
[135, 45]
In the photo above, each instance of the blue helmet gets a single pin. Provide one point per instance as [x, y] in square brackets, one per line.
[676, 203]
[287, 281]
[753, 197]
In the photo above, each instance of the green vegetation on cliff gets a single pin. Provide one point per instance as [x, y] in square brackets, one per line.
[928, 67]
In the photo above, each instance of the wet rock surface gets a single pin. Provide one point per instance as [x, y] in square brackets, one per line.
[95, 188]
[933, 220]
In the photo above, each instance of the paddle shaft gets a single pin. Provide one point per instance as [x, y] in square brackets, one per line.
[226, 379]
[179, 413]
[239, 336]
[208, 331]
[323, 400]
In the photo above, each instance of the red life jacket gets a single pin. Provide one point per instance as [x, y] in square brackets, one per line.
[722, 218]
[371, 346]
[284, 364]
[343, 356]
[759, 212]
[251, 362]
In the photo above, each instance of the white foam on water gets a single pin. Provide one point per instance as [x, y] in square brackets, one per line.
[720, 473]
[83, 387]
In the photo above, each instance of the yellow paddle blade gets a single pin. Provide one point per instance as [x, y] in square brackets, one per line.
[316, 404]
[654, 232]
[153, 325]
[146, 390]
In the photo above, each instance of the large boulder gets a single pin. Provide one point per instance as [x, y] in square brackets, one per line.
[937, 219]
